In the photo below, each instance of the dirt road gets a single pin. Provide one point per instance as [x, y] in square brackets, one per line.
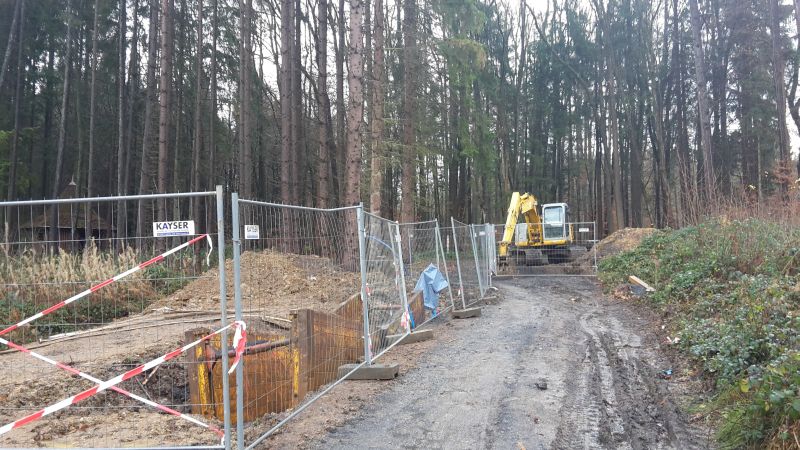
[477, 386]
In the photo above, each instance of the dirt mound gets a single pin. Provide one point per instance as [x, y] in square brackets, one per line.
[274, 283]
[622, 240]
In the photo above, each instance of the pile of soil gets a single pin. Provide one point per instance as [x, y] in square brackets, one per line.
[274, 283]
[620, 241]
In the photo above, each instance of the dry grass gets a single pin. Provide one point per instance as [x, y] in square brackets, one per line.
[34, 280]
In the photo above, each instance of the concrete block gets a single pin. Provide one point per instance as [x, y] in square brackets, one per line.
[373, 372]
[416, 336]
[466, 313]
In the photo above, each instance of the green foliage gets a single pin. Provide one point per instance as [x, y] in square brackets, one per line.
[732, 292]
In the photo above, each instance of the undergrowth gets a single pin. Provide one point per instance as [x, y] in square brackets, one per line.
[731, 292]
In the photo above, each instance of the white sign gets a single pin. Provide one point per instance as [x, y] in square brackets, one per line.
[252, 232]
[173, 228]
[583, 230]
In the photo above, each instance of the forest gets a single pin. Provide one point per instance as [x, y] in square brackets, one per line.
[634, 112]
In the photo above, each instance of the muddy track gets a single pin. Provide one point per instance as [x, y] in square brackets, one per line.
[477, 386]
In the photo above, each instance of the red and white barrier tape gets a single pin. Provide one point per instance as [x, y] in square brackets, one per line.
[97, 287]
[239, 342]
[86, 376]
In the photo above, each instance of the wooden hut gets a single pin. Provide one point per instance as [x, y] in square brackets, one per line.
[72, 227]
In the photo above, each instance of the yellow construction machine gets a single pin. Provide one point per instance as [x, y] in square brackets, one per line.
[542, 239]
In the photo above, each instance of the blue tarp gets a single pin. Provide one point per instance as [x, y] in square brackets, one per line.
[431, 283]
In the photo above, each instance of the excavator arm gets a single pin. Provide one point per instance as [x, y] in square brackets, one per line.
[524, 205]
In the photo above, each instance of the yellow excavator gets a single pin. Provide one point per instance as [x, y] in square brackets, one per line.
[543, 239]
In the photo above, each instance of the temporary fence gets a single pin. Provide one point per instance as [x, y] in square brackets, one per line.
[471, 261]
[297, 270]
[106, 289]
[120, 294]
[574, 254]
[424, 258]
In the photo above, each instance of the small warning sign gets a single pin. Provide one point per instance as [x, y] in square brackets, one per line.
[583, 230]
[252, 232]
[173, 228]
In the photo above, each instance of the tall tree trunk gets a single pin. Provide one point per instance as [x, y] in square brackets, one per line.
[778, 74]
[212, 110]
[133, 87]
[62, 128]
[355, 83]
[245, 105]
[18, 99]
[378, 68]
[92, 103]
[287, 42]
[324, 108]
[795, 109]
[409, 94]
[340, 107]
[121, 97]
[198, 101]
[197, 143]
[165, 87]
[150, 104]
[702, 100]
[297, 109]
[7, 54]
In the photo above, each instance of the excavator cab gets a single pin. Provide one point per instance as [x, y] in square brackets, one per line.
[555, 222]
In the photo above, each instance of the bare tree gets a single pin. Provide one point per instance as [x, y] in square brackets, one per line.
[702, 99]
[778, 74]
[409, 94]
[245, 135]
[121, 98]
[150, 103]
[62, 128]
[287, 42]
[378, 80]
[324, 107]
[92, 103]
[355, 83]
[165, 87]
[9, 45]
[18, 98]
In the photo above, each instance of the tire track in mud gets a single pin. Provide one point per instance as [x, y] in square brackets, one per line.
[476, 388]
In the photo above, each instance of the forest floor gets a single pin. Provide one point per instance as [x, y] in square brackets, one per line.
[479, 383]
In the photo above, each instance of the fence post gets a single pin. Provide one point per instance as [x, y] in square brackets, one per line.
[440, 248]
[237, 296]
[362, 257]
[402, 279]
[490, 252]
[458, 264]
[223, 301]
[477, 260]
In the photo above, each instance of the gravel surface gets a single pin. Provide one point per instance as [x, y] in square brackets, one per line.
[554, 365]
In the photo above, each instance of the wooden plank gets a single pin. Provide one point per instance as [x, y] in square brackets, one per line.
[636, 280]
[416, 304]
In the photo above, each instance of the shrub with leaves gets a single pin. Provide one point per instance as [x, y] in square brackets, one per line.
[732, 294]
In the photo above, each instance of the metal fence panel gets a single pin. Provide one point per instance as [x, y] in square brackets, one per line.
[384, 281]
[577, 259]
[298, 271]
[422, 247]
[117, 282]
[468, 262]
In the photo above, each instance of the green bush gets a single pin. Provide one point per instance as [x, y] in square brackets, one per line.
[732, 292]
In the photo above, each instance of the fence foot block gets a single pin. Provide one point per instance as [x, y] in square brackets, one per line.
[466, 313]
[372, 372]
[416, 336]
